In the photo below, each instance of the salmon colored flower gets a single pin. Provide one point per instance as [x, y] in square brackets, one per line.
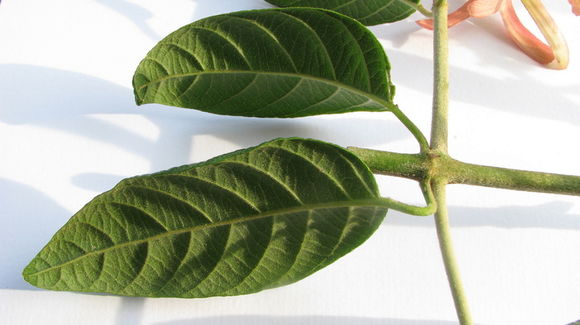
[554, 54]
[575, 6]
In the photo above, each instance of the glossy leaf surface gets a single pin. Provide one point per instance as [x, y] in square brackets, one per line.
[268, 63]
[368, 12]
[239, 223]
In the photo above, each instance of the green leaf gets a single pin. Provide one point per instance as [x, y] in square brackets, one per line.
[239, 223]
[268, 63]
[368, 12]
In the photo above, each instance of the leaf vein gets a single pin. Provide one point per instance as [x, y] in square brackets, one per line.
[260, 259]
[237, 93]
[180, 264]
[322, 45]
[333, 179]
[380, 101]
[271, 34]
[215, 266]
[103, 233]
[165, 70]
[150, 216]
[203, 213]
[140, 268]
[234, 45]
[279, 182]
[248, 202]
[377, 11]
[302, 241]
[329, 97]
[266, 214]
[358, 46]
[181, 49]
[344, 5]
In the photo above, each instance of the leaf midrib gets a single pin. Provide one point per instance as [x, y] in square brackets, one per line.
[377, 202]
[373, 13]
[334, 83]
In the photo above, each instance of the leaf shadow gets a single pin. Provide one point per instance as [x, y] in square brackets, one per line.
[204, 8]
[397, 34]
[301, 320]
[130, 311]
[74, 103]
[138, 15]
[24, 229]
[552, 215]
[530, 97]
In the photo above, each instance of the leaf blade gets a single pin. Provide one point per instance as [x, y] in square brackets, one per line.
[369, 13]
[268, 63]
[175, 234]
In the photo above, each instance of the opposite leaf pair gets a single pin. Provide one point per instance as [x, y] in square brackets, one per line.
[253, 219]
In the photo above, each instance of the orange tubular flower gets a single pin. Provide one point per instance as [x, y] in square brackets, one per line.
[554, 54]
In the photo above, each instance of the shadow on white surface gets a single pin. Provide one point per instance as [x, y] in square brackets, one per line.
[28, 216]
[397, 34]
[140, 16]
[97, 182]
[130, 311]
[206, 8]
[68, 102]
[527, 95]
[552, 215]
[135, 13]
[72, 103]
[301, 320]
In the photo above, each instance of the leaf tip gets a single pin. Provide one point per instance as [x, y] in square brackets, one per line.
[28, 274]
[139, 97]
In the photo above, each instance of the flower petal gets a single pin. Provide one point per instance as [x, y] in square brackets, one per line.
[472, 8]
[453, 18]
[575, 6]
[554, 56]
[483, 8]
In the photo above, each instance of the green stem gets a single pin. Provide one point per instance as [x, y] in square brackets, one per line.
[419, 166]
[439, 136]
[512, 179]
[419, 7]
[423, 143]
[441, 78]
[411, 166]
[426, 12]
[449, 260]
[427, 210]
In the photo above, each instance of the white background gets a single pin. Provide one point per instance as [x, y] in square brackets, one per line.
[69, 129]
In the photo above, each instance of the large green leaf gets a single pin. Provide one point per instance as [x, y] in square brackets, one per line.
[268, 63]
[236, 224]
[368, 12]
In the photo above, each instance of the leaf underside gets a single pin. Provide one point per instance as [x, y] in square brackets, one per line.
[268, 63]
[237, 224]
[368, 12]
